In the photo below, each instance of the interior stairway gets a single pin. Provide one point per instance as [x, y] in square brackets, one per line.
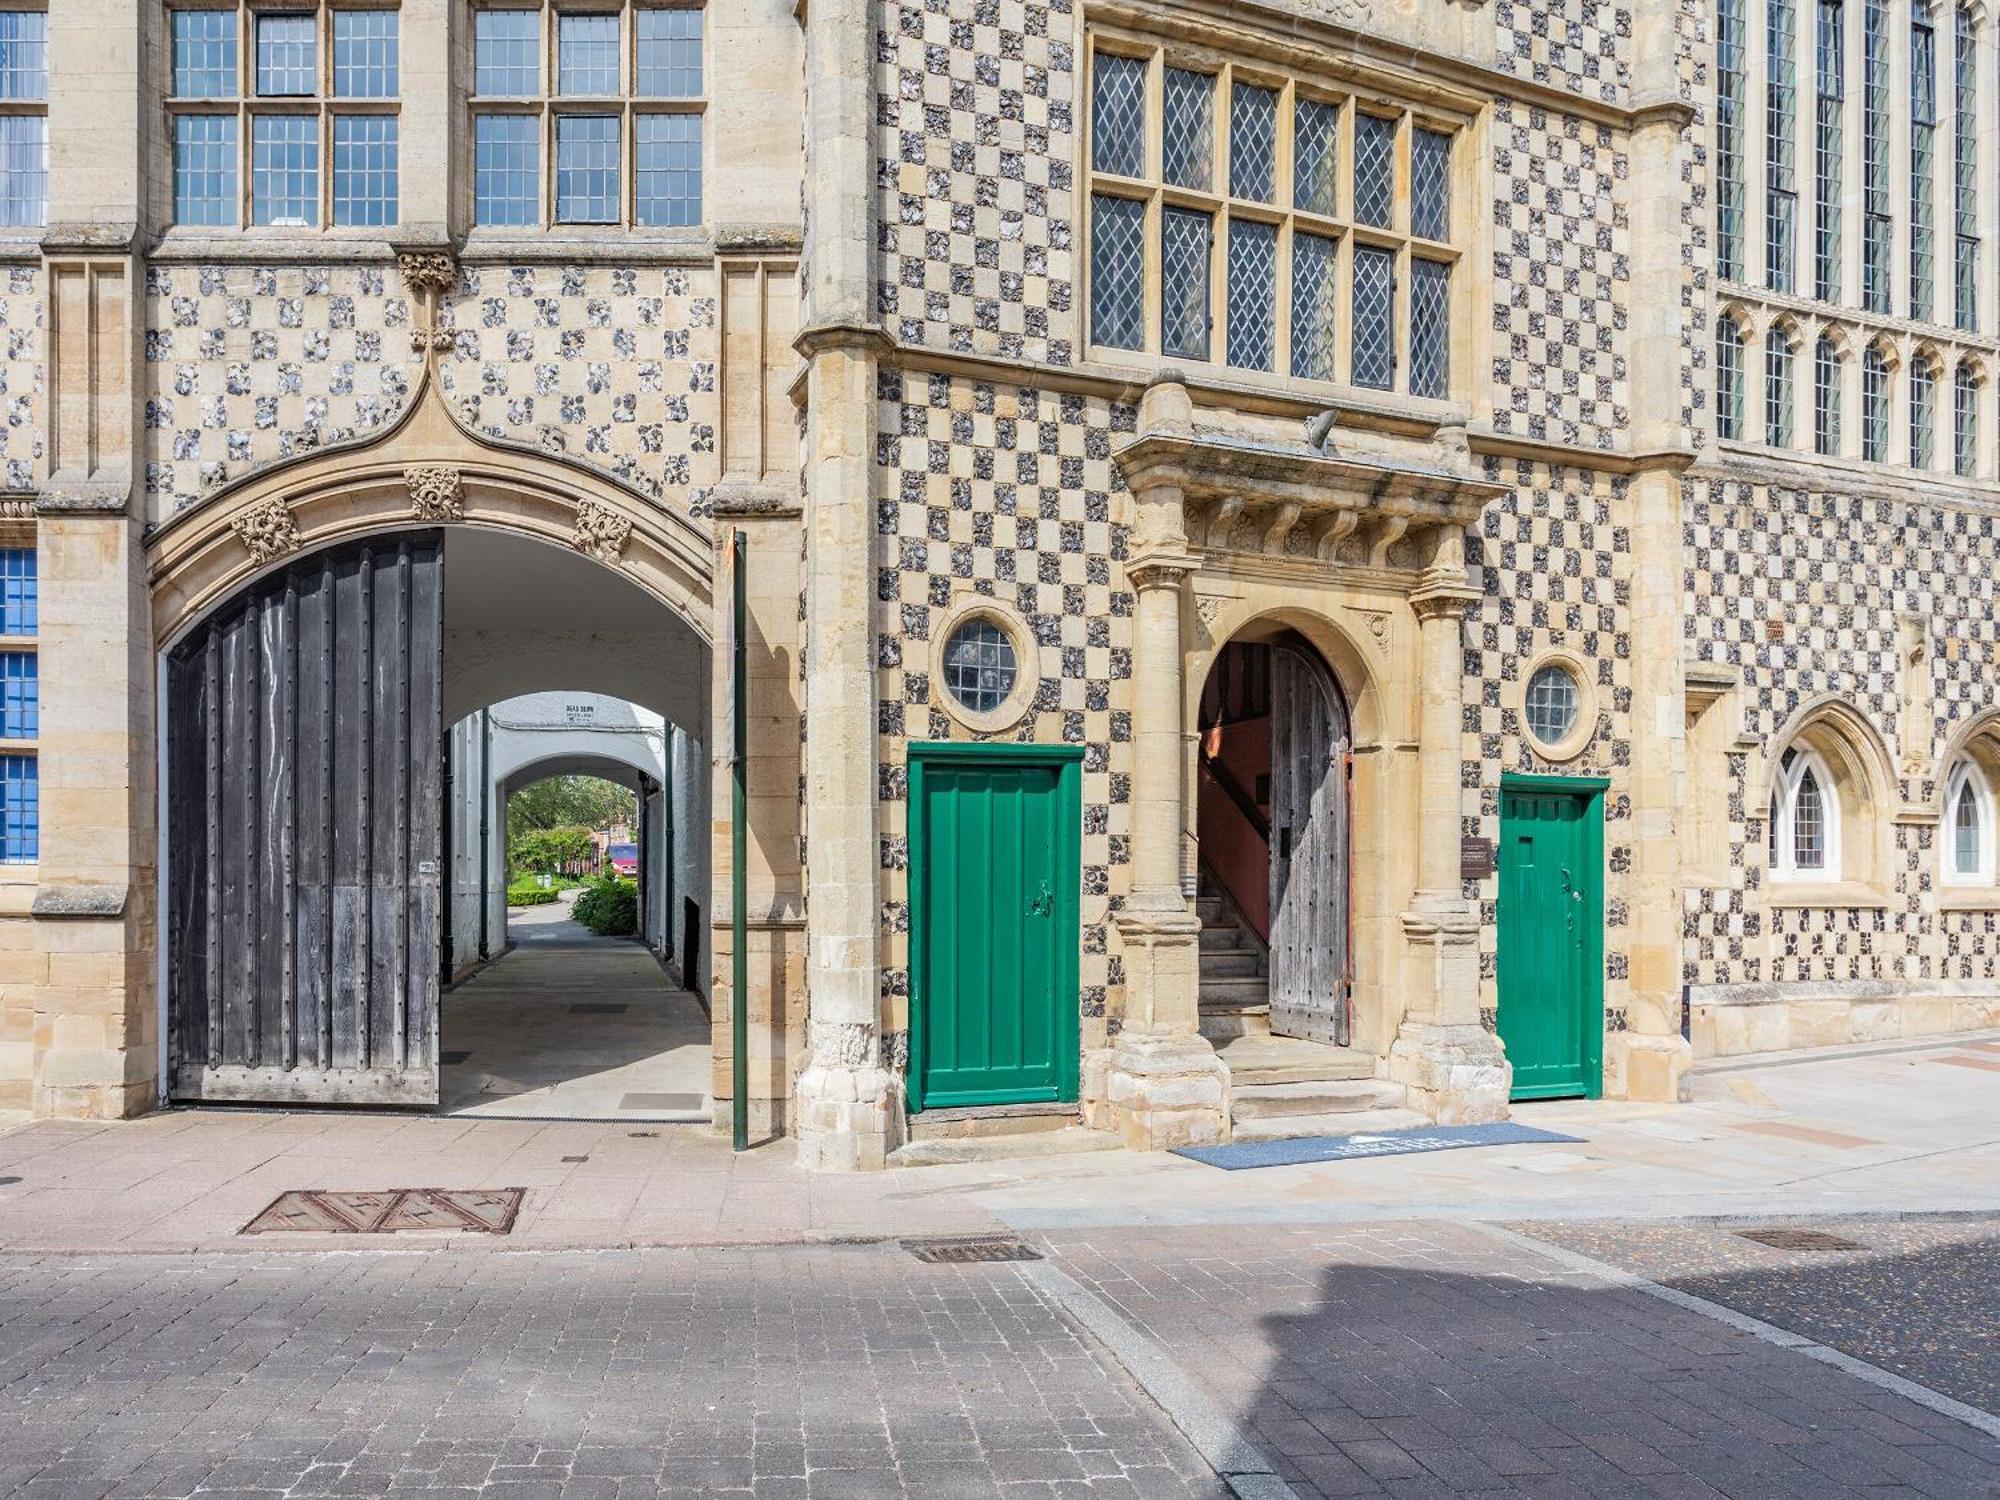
[1280, 1087]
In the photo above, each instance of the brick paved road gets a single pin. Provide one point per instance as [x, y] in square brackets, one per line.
[1921, 1298]
[808, 1372]
[1430, 1360]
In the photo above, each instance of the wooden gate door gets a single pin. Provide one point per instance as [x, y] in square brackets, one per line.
[1551, 937]
[995, 848]
[304, 780]
[1309, 916]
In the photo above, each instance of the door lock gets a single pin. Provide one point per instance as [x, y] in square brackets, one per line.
[1044, 904]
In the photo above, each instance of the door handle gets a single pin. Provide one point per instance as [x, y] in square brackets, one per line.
[1044, 904]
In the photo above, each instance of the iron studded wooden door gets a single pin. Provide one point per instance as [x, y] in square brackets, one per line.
[1551, 911]
[994, 873]
[304, 787]
[1309, 918]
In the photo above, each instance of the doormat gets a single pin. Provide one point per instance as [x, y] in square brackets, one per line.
[462, 1210]
[1314, 1148]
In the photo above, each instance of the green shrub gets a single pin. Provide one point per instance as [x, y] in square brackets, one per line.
[532, 895]
[609, 906]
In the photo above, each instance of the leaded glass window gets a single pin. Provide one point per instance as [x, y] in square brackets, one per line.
[365, 60]
[1253, 142]
[1728, 379]
[1969, 817]
[979, 666]
[1118, 115]
[204, 54]
[1313, 305]
[284, 170]
[1829, 145]
[1923, 413]
[1184, 257]
[1430, 329]
[20, 812]
[1778, 388]
[1826, 397]
[1781, 200]
[666, 185]
[1374, 169]
[205, 154]
[1965, 172]
[20, 593]
[669, 48]
[506, 169]
[586, 58]
[24, 171]
[1118, 272]
[1877, 226]
[287, 52]
[364, 169]
[1187, 156]
[24, 55]
[1964, 420]
[506, 54]
[1374, 317]
[1923, 156]
[20, 708]
[1874, 405]
[1808, 823]
[1430, 184]
[587, 169]
[1966, 831]
[20, 696]
[1552, 704]
[1253, 291]
[1731, 87]
[1315, 156]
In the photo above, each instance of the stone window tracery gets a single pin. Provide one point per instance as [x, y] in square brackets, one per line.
[1969, 830]
[1804, 826]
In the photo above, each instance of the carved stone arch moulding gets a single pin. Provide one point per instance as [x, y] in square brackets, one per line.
[268, 531]
[600, 532]
[437, 492]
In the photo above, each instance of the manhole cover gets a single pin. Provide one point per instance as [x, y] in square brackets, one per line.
[960, 1252]
[466, 1210]
[1799, 1239]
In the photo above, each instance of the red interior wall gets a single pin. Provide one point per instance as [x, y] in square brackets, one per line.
[1230, 846]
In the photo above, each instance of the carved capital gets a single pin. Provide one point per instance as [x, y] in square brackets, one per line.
[1442, 602]
[600, 532]
[436, 492]
[268, 531]
[1159, 570]
[428, 272]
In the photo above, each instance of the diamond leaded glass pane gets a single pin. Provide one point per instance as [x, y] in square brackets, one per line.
[1430, 328]
[1312, 307]
[1374, 168]
[1117, 268]
[1374, 356]
[1315, 134]
[1253, 294]
[1184, 283]
[1118, 115]
[1253, 142]
[1188, 150]
[1430, 184]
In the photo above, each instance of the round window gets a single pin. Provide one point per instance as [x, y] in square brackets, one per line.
[979, 667]
[1551, 705]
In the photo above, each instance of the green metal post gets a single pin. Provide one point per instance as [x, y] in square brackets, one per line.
[739, 957]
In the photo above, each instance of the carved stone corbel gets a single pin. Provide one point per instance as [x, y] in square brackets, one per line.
[1391, 532]
[1220, 521]
[437, 493]
[428, 273]
[1330, 531]
[268, 531]
[1283, 518]
[600, 532]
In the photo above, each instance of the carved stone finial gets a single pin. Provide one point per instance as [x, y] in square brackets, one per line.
[268, 531]
[600, 532]
[428, 272]
[436, 492]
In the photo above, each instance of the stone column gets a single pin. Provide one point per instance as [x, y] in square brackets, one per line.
[1455, 1070]
[95, 1024]
[850, 1103]
[1164, 1084]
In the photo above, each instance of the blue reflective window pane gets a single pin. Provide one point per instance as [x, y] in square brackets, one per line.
[286, 56]
[24, 54]
[506, 46]
[365, 61]
[19, 591]
[364, 169]
[24, 171]
[506, 169]
[20, 695]
[587, 55]
[669, 44]
[205, 54]
[587, 169]
[284, 170]
[20, 812]
[205, 169]
[666, 177]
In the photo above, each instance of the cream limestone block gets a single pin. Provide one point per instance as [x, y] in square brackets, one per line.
[1821, 1023]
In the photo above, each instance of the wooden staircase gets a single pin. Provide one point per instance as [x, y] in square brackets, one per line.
[1280, 1087]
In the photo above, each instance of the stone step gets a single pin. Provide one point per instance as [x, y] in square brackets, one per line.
[1227, 963]
[1261, 1059]
[1296, 1127]
[1234, 993]
[1268, 1101]
[1208, 908]
[990, 1120]
[1064, 1142]
[1226, 939]
[1221, 1026]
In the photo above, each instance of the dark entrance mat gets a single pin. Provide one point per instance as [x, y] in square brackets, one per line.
[463, 1210]
[1314, 1148]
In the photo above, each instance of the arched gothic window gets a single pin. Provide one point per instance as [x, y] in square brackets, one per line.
[1968, 828]
[1805, 819]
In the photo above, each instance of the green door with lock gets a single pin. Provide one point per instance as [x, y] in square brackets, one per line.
[1551, 938]
[995, 835]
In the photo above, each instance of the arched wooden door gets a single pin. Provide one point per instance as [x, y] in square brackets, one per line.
[1310, 967]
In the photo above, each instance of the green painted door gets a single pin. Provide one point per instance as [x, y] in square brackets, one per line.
[994, 851]
[1551, 938]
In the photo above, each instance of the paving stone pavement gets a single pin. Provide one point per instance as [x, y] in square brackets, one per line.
[822, 1373]
[1432, 1359]
[1920, 1298]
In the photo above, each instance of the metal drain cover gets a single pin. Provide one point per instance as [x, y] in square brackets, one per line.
[465, 1210]
[1799, 1239]
[960, 1252]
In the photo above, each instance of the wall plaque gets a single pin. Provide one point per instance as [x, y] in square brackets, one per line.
[1475, 858]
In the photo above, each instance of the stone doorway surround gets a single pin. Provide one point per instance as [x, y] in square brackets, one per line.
[1366, 559]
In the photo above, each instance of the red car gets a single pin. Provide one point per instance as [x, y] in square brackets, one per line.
[623, 859]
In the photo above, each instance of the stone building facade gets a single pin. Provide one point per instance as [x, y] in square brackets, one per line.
[1294, 554]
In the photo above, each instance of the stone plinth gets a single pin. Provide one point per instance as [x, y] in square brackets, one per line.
[1457, 1075]
[848, 1118]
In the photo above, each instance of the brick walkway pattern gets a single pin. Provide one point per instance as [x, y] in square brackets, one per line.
[785, 1374]
[1434, 1360]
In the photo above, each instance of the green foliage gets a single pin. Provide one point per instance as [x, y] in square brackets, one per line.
[552, 851]
[533, 895]
[609, 906]
[570, 802]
